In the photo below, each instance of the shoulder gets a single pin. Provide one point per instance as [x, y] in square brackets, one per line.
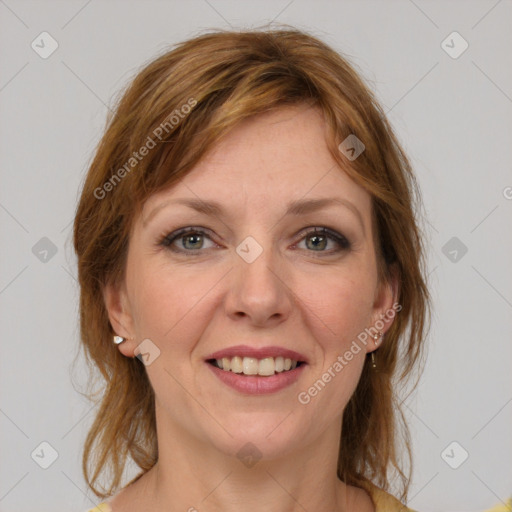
[102, 507]
[505, 507]
[383, 501]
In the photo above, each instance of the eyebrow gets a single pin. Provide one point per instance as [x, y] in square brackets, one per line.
[297, 207]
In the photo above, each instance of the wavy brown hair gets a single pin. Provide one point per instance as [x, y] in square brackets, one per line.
[228, 76]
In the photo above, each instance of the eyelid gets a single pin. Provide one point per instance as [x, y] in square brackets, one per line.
[167, 238]
[344, 243]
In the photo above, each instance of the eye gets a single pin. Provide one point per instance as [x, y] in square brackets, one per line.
[318, 239]
[188, 239]
[191, 240]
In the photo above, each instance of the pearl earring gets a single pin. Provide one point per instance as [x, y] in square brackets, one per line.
[377, 338]
[118, 339]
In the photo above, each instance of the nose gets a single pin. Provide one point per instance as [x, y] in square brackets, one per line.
[260, 291]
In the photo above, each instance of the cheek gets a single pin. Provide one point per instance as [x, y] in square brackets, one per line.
[168, 303]
[342, 314]
[342, 305]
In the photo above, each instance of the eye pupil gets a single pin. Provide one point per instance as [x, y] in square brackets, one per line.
[317, 240]
[189, 237]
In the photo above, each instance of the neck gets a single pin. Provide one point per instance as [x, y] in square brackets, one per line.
[193, 476]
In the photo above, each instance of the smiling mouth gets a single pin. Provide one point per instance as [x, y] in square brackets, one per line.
[265, 367]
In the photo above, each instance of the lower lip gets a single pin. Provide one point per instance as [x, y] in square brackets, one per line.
[256, 384]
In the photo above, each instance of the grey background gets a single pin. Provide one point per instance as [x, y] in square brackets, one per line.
[454, 119]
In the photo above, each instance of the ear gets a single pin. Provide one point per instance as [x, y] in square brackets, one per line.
[385, 306]
[119, 314]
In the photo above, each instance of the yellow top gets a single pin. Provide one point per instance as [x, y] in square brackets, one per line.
[506, 507]
[383, 502]
[102, 507]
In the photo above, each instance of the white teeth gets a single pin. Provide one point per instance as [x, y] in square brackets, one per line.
[266, 366]
[236, 365]
[252, 366]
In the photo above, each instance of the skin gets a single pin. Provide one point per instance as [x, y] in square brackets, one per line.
[313, 301]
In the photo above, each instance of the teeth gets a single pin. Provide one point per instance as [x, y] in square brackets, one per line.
[266, 366]
[252, 366]
[236, 365]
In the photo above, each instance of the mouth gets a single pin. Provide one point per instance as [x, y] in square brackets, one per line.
[265, 367]
[257, 371]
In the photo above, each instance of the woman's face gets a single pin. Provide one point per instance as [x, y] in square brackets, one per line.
[249, 282]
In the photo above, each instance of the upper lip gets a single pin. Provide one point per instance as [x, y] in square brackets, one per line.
[258, 353]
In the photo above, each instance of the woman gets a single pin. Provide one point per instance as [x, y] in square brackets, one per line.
[252, 283]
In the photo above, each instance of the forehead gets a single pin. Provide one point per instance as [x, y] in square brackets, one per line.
[268, 160]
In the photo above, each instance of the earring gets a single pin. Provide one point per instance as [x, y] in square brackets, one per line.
[378, 338]
[118, 340]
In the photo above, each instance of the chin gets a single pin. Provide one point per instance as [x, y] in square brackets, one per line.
[259, 436]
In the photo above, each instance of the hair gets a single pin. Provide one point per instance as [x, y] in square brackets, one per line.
[179, 106]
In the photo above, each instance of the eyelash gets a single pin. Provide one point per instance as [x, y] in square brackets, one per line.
[167, 239]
